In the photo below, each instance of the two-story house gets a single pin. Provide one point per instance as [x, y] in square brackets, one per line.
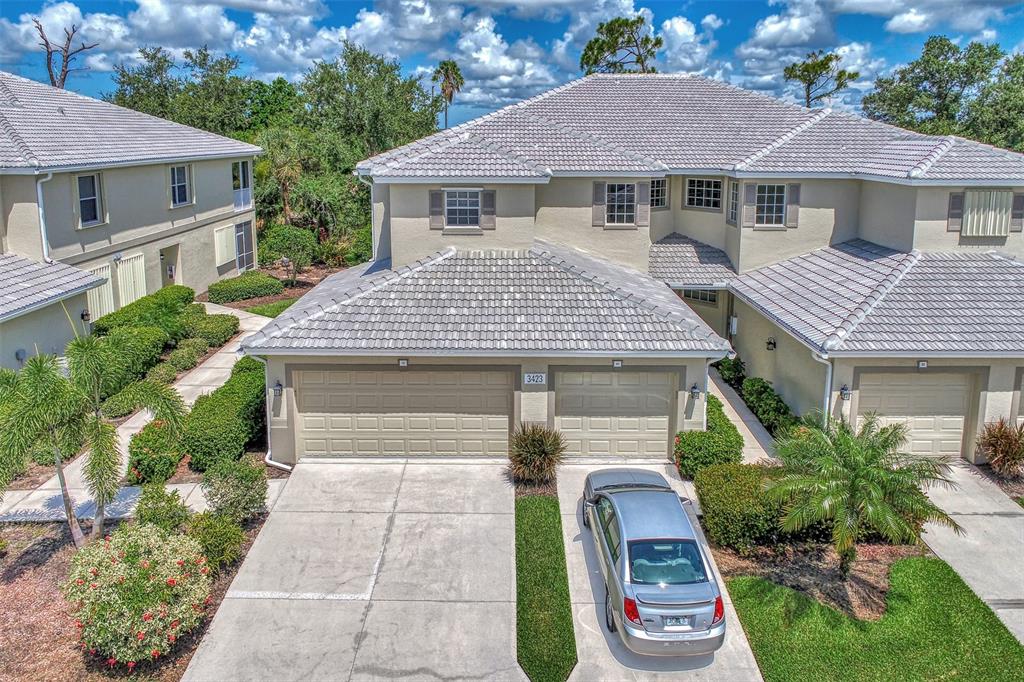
[100, 205]
[580, 258]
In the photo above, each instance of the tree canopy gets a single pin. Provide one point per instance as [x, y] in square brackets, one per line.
[820, 76]
[622, 45]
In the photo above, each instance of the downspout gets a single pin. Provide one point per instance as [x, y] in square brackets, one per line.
[42, 216]
[373, 242]
[827, 400]
[268, 460]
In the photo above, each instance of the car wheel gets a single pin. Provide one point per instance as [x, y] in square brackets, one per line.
[586, 516]
[609, 619]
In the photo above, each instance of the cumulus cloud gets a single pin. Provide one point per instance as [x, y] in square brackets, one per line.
[685, 49]
[917, 16]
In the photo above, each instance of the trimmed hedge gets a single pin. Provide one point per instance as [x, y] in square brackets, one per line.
[216, 330]
[720, 443]
[159, 309]
[153, 454]
[196, 345]
[737, 513]
[164, 372]
[251, 284]
[247, 364]
[222, 423]
[135, 350]
[768, 406]
[184, 358]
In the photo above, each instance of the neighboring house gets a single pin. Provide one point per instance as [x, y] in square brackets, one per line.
[857, 266]
[100, 205]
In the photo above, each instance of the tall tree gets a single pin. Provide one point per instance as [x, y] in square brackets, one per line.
[212, 96]
[930, 94]
[284, 152]
[820, 76]
[996, 115]
[276, 103]
[150, 86]
[449, 75]
[66, 52]
[622, 45]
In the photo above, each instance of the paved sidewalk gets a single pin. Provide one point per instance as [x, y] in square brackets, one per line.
[757, 442]
[44, 503]
[990, 558]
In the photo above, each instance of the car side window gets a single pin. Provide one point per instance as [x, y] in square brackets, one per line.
[610, 527]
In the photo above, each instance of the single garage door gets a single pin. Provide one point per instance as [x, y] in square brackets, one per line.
[933, 406]
[388, 412]
[615, 413]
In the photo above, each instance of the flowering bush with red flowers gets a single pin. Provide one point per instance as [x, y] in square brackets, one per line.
[137, 592]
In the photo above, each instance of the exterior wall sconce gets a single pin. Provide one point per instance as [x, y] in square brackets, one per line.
[694, 392]
[770, 343]
[86, 316]
[403, 363]
[844, 392]
[617, 364]
[278, 389]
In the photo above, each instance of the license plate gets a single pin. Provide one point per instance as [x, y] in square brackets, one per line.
[677, 621]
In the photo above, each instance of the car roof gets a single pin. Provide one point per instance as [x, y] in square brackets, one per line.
[627, 478]
[652, 514]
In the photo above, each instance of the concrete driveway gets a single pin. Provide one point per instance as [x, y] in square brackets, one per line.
[601, 654]
[374, 570]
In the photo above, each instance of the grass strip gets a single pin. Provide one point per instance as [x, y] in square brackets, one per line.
[272, 309]
[544, 631]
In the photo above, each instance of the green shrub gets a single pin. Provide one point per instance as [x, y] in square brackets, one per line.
[197, 345]
[236, 488]
[121, 404]
[534, 453]
[153, 454]
[164, 372]
[190, 316]
[175, 295]
[220, 537]
[251, 284]
[247, 364]
[1002, 444]
[223, 422]
[137, 593]
[161, 507]
[737, 512]
[768, 406]
[296, 244]
[361, 249]
[133, 351]
[333, 252]
[732, 371]
[720, 443]
[160, 309]
[183, 358]
[216, 330]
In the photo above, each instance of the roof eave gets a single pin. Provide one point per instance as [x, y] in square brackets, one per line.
[438, 179]
[427, 353]
[73, 168]
[924, 354]
[20, 312]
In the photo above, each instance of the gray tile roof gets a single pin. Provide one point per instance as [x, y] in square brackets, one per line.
[26, 285]
[655, 122]
[680, 261]
[49, 128]
[858, 297]
[544, 300]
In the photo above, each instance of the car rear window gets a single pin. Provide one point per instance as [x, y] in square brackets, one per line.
[666, 562]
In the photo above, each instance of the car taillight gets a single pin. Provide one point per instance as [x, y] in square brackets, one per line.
[632, 613]
[719, 610]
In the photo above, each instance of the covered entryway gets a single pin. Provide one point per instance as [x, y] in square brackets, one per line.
[621, 413]
[934, 406]
[343, 412]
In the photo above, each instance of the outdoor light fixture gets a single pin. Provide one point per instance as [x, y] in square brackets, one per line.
[86, 315]
[770, 343]
[617, 364]
[403, 363]
[278, 389]
[694, 391]
[844, 392]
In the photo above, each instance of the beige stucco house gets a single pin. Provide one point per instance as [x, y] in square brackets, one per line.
[857, 266]
[100, 205]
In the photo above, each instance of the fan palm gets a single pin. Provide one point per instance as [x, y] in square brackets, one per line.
[857, 480]
[449, 75]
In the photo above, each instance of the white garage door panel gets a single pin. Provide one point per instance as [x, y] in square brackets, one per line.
[934, 408]
[403, 413]
[614, 413]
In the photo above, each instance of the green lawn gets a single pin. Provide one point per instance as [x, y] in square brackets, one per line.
[934, 628]
[272, 309]
[545, 639]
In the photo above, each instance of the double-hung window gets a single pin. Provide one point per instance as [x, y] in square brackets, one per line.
[734, 202]
[770, 208]
[462, 208]
[181, 192]
[242, 185]
[90, 200]
[704, 193]
[659, 192]
[620, 203]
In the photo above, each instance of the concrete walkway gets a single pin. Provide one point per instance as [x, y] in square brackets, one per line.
[757, 442]
[45, 504]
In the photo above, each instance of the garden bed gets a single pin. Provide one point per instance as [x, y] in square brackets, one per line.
[35, 475]
[306, 280]
[183, 474]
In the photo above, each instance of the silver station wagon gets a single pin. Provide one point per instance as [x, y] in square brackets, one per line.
[661, 595]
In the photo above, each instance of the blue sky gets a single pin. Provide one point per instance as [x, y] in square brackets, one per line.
[508, 50]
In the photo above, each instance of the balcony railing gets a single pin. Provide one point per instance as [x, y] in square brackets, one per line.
[243, 199]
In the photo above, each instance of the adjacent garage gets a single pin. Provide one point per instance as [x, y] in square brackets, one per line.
[394, 412]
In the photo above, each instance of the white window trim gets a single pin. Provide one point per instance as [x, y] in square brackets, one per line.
[785, 199]
[668, 188]
[249, 177]
[732, 207]
[100, 196]
[695, 207]
[700, 296]
[188, 185]
[608, 224]
[479, 207]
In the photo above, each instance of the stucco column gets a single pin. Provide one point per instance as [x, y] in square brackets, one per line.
[533, 397]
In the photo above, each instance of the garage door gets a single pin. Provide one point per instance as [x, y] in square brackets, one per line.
[615, 413]
[933, 406]
[369, 413]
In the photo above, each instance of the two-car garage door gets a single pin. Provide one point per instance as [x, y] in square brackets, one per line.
[934, 407]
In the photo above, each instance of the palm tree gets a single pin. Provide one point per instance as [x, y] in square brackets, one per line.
[449, 75]
[857, 480]
[283, 155]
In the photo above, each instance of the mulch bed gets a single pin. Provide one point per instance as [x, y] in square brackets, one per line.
[36, 475]
[813, 569]
[183, 474]
[306, 280]
[38, 639]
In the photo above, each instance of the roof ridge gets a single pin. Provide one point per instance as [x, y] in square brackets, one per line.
[931, 157]
[785, 137]
[857, 315]
[590, 137]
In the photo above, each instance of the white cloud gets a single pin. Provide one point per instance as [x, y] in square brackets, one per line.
[911, 21]
[711, 23]
[918, 16]
[685, 49]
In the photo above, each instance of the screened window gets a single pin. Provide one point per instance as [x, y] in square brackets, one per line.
[462, 208]
[179, 186]
[701, 295]
[734, 202]
[89, 202]
[771, 205]
[620, 204]
[703, 193]
[659, 192]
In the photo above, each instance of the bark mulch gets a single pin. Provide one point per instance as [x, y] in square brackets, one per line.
[35, 475]
[306, 280]
[184, 474]
[813, 569]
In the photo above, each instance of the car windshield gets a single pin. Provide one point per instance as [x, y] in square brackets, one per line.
[666, 562]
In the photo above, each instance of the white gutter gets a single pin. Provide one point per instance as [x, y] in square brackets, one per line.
[42, 216]
[74, 168]
[268, 460]
[826, 402]
[420, 353]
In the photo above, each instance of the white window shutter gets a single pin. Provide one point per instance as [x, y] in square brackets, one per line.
[101, 299]
[224, 244]
[131, 278]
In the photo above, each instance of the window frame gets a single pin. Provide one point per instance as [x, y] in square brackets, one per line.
[101, 215]
[665, 188]
[607, 523]
[732, 209]
[708, 297]
[479, 207]
[187, 184]
[781, 201]
[244, 182]
[627, 209]
[704, 207]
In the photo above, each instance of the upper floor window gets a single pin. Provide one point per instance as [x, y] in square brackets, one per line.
[734, 202]
[242, 185]
[659, 193]
[90, 200]
[462, 208]
[181, 192]
[703, 193]
[709, 296]
[770, 207]
[620, 203]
